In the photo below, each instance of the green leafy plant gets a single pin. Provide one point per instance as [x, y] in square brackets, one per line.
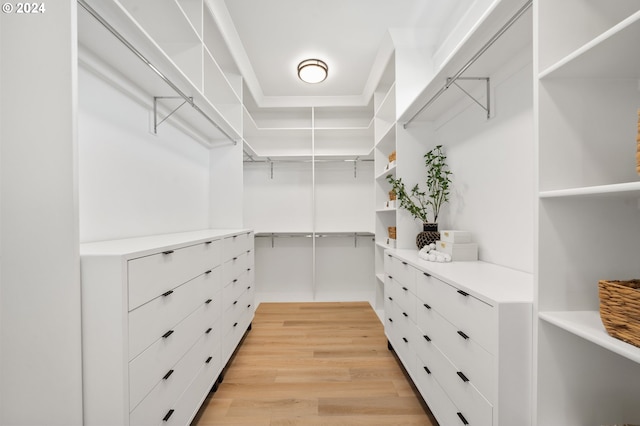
[420, 203]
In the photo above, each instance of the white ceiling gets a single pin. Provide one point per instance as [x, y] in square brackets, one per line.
[270, 37]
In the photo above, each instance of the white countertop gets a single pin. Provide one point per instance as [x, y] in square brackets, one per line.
[487, 281]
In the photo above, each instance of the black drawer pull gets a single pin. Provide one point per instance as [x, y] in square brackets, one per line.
[206, 302]
[426, 275]
[427, 338]
[390, 319]
[464, 293]
[405, 340]
[168, 415]
[390, 298]
[248, 269]
[462, 376]
[166, 376]
[235, 324]
[405, 314]
[463, 335]
[404, 263]
[208, 272]
[208, 242]
[464, 421]
[165, 294]
[405, 289]
[235, 301]
[249, 305]
[167, 334]
[249, 288]
[235, 281]
[427, 370]
[208, 330]
[208, 360]
[234, 259]
[389, 255]
[390, 277]
[167, 252]
[427, 306]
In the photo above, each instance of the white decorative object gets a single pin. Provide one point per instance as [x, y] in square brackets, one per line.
[462, 252]
[452, 236]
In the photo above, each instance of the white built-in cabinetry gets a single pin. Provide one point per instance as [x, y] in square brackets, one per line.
[308, 195]
[588, 220]
[463, 333]
[161, 316]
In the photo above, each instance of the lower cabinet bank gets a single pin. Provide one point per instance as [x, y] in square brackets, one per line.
[161, 317]
[463, 332]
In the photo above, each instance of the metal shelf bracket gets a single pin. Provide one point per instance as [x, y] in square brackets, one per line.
[487, 108]
[157, 123]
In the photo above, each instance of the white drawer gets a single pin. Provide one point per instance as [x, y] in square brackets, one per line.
[151, 365]
[441, 406]
[403, 273]
[212, 254]
[234, 289]
[235, 245]
[157, 404]
[405, 300]
[469, 315]
[151, 320]
[464, 395]
[401, 334]
[213, 284]
[234, 267]
[466, 355]
[151, 276]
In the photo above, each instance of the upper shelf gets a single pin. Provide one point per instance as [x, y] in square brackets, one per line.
[605, 56]
[619, 190]
[513, 43]
[135, 60]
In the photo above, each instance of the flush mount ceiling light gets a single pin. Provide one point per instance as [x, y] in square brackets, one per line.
[312, 70]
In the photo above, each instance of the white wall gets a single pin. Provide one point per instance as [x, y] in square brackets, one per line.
[40, 344]
[131, 182]
[480, 152]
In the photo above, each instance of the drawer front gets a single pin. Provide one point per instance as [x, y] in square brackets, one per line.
[234, 267]
[466, 355]
[404, 273]
[439, 403]
[151, 276]
[153, 319]
[469, 315]
[401, 334]
[164, 395]
[151, 365]
[235, 245]
[234, 289]
[212, 254]
[405, 300]
[464, 395]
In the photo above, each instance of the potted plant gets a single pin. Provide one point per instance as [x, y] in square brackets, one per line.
[425, 205]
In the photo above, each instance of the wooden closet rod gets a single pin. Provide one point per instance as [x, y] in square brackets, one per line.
[471, 61]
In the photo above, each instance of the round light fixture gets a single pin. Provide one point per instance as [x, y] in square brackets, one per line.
[312, 70]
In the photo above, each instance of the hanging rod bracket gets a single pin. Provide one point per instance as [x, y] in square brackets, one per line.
[487, 81]
[157, 123]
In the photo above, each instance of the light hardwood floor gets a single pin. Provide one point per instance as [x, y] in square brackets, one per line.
[314, 364]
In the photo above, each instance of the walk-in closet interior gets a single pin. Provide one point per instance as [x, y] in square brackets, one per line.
[164, 171]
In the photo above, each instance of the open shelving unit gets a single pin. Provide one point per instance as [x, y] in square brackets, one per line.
[589, 226]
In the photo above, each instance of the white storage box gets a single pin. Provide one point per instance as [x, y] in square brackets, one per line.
[452, 236]
[391, 204]
[391, 242]
[458, 251]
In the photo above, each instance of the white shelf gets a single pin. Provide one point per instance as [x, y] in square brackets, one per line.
[390, 170]
[511, 44]
[601, 57]
[588, 325]
[620, 190]
[387, 209]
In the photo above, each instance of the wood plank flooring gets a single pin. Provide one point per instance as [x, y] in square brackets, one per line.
[315, 364]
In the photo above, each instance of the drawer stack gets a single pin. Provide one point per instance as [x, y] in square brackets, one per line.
[469, 358]
[153, 325]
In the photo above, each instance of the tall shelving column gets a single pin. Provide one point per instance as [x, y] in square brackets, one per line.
[587, 98]
[384, 100]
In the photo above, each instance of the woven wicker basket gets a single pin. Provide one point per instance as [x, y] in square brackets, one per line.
[620, 309]
[392, 195]
[392, 157]
[392, 232]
